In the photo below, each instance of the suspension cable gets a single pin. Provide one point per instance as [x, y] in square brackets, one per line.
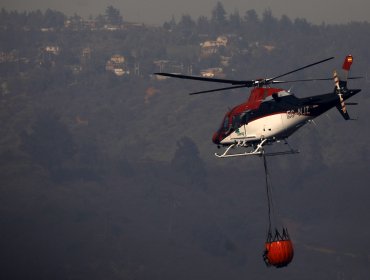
[269, 196]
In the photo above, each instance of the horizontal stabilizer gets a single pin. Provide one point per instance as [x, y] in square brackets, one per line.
[343, 112]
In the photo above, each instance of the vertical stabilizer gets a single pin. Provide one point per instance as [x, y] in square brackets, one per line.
[347, 66]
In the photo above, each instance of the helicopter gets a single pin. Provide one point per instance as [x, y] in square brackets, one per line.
[272, 114]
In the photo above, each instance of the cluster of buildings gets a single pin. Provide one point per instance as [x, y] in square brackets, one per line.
[221, 50]
[207, 49]
[80, 24]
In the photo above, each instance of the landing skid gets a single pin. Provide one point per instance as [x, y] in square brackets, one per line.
[258, 151]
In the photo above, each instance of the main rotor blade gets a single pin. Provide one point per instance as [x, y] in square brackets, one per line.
[217, 89]
[303, 80]
[299, 69]
[214, 80]
[355, 78]
[312, 80]
[248, 83]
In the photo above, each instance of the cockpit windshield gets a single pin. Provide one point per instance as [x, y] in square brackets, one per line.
[226, 123]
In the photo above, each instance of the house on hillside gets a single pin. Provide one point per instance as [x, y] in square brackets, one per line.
[8, 56]
[117, 65]
[85, 55]
[55, 50]
[212, 47]
[117, 59]
[48, 55]
[47, 29]
[111, 27]
[269, 48]
[216, 72]
[170, 67]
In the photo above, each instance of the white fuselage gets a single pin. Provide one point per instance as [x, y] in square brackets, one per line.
[276, 126]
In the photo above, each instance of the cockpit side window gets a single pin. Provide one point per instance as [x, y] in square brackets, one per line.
[236, 121]
[226, 123]
[244, 117]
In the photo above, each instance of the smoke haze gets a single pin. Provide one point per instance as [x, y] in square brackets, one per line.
[106, 176]
[158, 11]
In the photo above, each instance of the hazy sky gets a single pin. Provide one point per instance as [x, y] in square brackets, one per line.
[158, 11]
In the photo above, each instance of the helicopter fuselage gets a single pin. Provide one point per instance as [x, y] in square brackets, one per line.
[273, 114]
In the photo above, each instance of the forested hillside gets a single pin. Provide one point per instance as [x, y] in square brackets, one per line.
[107, 172]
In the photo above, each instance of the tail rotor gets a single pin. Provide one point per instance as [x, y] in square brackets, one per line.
[341, 86]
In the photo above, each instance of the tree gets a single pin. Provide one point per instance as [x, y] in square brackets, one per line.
[186, 27]
[113, 16]
[169, 26]
[54, 19]
[35, 19]
[251, 17]
[235, 20]
[252, 25]
[49, 144]
[203, 25]
[187, 164]
[269, 24]
[219, 15]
